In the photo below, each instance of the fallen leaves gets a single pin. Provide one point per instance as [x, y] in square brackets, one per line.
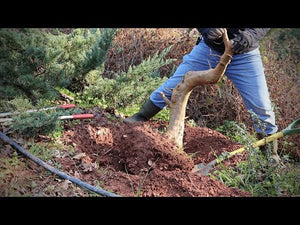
[79, 156]
[86, 163]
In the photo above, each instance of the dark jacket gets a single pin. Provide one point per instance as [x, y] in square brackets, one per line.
[245, 39]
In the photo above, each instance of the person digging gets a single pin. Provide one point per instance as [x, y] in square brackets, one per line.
[245, 70]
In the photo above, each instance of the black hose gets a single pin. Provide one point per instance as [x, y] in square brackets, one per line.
[54, 170]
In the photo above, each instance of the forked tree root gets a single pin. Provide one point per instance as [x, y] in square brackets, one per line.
[182, 91]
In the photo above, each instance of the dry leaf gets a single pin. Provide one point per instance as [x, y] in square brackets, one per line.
[77, 175]
[87, 167]
[65, 184]
[79, 156]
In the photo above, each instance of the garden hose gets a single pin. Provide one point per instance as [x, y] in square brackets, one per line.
[54, 170]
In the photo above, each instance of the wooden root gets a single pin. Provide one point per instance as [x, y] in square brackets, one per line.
[182, 91]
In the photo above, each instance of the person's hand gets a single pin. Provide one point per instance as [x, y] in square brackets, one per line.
[215, 33]
[238, 45]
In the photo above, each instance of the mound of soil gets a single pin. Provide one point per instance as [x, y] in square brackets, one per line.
[138, 160]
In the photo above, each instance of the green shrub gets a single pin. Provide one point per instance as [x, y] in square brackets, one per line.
[129, 88]
[35, 123]
[236, 132]
[40, 122]
[33, 61]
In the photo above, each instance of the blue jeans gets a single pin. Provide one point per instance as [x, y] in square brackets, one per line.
[246, 71]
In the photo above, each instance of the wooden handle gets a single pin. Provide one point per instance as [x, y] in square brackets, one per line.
[83, 116]
[67, 106]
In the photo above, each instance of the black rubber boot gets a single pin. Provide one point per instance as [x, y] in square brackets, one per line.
[146, 112]
[276, 161]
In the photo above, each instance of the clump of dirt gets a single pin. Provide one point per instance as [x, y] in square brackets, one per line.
[140, 147]
[138, 160]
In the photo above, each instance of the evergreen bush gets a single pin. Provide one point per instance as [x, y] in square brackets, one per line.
[128, 88]
[40, 122]
[33, 61]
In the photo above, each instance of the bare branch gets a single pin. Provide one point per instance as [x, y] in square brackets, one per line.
[167, 101]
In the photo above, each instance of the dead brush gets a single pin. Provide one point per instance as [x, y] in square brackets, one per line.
[132, 45]
[280, 53]
[210, 105]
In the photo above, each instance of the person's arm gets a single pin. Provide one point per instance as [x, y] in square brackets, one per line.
[247, 38]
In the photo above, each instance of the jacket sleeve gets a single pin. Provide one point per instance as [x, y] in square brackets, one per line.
[251, 35]
[247, 38]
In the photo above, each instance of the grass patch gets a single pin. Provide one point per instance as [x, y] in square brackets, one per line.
[256, 174]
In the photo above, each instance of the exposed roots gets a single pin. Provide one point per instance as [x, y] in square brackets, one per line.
[182, 91]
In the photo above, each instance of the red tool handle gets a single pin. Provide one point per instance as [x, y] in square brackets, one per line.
[67, 106]
[83, 116]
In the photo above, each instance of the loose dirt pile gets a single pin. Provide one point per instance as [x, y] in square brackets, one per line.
[138, 160]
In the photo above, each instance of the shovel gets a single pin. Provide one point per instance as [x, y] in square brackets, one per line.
[203, 169]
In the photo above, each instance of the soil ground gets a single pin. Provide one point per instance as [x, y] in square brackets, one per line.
[132, 160]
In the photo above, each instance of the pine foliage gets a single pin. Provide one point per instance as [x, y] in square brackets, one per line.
[35, 123]
[40, 122]
[96, 57]
[33, 61]
[128, 88]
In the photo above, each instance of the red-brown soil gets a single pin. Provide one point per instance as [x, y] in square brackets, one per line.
[138, 160]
